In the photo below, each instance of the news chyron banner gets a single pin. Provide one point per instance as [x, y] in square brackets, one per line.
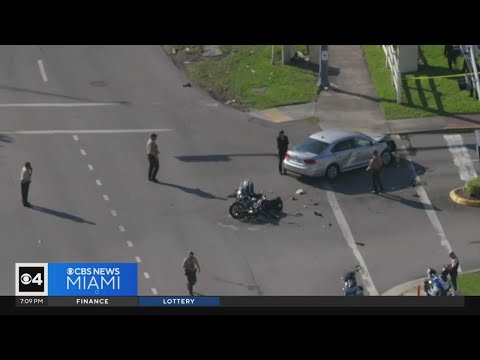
[76, 279]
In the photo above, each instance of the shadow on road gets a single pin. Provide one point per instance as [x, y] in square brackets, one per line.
[219, 157]
[411, 203]
[5, 139]
[46, 93]
[395, 177]
[62, 215]
[274, 219]
[249, 287]
[197, 191]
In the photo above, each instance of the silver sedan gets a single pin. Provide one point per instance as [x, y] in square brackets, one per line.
[329, 152]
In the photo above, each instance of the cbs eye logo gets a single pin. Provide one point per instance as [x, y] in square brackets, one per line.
[30, 280]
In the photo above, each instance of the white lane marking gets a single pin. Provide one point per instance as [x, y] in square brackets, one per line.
[42, 71]
[121, 228]
[106, 198]
[85, 131]
[137, 259]
[431, 213]
[99, 183]
[90, 167]
[147, 275]
[154, 291]
[58, 104]
[75, 137]
[83, 152]
[129, 243]
[461, 157]
[347, 234]
[113, 212]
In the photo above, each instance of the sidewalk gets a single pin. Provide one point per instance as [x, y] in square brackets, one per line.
[352, 103]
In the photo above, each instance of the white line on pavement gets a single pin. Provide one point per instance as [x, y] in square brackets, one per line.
[137, 259]
[83, 152]
[42, 70]
[75, 137]
[106, 198]
[86, 131]
[129, 243]
[347, 234]
[121, 228]
[461, 157]
[432, 215]
[147, 275]
[154, 291]
[99, 183]
[58, 104]
[113, 212]
[90, 167]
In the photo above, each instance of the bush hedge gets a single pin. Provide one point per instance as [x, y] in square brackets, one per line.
[473, 188]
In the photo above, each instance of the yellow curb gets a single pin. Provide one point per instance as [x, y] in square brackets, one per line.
[462, 201]
[276, 115]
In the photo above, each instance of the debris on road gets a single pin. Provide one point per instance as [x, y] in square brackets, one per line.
[174, 51]
[416, 195]
[317, 213]
[187, 85]
[230, 102]
[300, 192]
[304, 206]
[298, 214]
[329, 224]
[293, 198]
[315, 204]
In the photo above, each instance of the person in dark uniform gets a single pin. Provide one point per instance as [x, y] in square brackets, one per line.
[453, 270]
[25, 179]
[190, 266]
[282, 145]
[375, 167]
[152, 155]
[451, 54]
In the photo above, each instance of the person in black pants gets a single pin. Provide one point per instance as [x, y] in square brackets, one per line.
[374, 167]
[282, 145]
[25, 179]
[152, 154]
[453, 270]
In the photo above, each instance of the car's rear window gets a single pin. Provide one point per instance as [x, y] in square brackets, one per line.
[311, 145]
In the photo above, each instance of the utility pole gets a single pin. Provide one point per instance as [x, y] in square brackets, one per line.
[323, 82]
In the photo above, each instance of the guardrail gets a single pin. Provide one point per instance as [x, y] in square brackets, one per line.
[392, 64]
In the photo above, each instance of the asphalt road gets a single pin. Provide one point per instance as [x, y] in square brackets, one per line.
[93, 202]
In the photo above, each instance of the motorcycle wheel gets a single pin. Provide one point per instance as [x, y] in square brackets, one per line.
[236, 210]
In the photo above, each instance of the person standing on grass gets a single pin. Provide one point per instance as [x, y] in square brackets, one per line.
[453, 270]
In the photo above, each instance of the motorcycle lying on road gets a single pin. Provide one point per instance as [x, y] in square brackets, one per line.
[248, 205]
[350, 286]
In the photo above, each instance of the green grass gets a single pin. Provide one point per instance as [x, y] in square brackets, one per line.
[469, 284]
[420, 98]
[244, 68]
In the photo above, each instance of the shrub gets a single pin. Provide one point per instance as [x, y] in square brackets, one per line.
[473, 188]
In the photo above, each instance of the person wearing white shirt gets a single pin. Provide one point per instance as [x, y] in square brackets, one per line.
[25, 179]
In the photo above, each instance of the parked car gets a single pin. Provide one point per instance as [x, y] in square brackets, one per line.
[330, 152]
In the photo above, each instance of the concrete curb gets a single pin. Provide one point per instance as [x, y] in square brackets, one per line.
[447, 130]
[462, 201]
[409, 286]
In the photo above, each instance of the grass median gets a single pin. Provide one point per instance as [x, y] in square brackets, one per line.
[421, 97]
[244, 73]
[469, 284]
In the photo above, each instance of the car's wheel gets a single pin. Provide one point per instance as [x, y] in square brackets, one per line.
[332, 172]
[387, 158]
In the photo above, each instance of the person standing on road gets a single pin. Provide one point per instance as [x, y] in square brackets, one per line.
[282, 145]
[453, 270]
[374, 167]
[25, 179]
[190, 265]
[152, 155]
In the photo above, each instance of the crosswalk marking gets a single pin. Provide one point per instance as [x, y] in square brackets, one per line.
[461, 157]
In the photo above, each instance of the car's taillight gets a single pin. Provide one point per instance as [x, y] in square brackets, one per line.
[309, 161]
[287, 155]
